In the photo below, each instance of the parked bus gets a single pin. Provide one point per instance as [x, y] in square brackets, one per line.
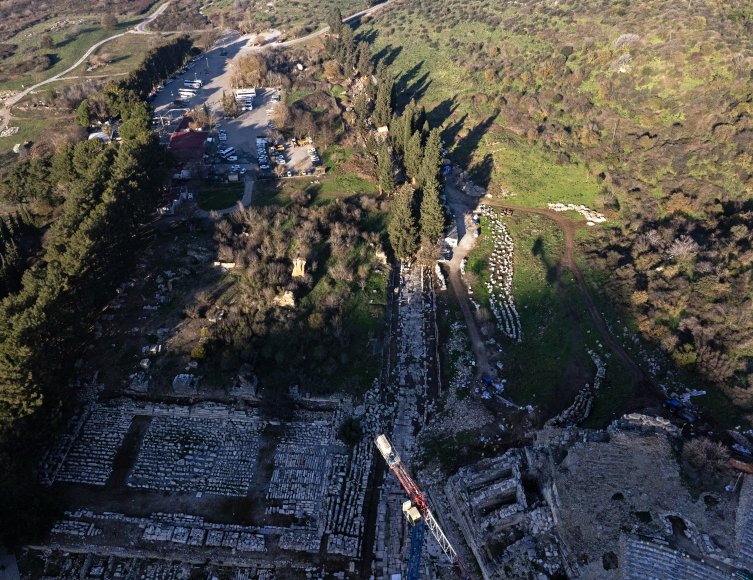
[245, 93]
[227, 152]
[192, 84]
[187, 93]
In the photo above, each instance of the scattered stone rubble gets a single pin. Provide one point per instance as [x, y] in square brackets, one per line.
[581, 407]
[591, 215]
[501, 264]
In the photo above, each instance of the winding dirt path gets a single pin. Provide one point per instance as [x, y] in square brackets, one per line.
[464, 247]
[569, 228]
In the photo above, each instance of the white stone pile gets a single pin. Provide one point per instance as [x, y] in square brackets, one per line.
[71, 528]
[501, 265]
[591, 215]
[581, 407]
[300, 541]
[440, 277]
[90, 459]
[191, 454]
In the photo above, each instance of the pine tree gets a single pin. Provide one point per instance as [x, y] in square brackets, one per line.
[329, 46]
[414, 154]
[386, 180]
[432, 213]
[82, 115]
[383, 108]
[402, 229]
[432, 158]
[425, 130]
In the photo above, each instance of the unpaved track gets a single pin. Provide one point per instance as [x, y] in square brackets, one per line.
[569, 228]
[465, 245]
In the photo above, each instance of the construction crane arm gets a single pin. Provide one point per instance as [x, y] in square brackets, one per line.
[417, 497]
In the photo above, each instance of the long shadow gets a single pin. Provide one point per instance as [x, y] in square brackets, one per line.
[439, 114]
[481, 172]
[388, 54]
[551, 269]
[416, 90]
[369, 36]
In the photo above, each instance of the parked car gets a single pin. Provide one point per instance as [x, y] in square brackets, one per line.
[233, 158]
[190, 196]
[242, 171]
[263, 166]
[235, 167]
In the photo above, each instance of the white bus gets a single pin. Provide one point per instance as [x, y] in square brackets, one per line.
[227, 152]
[187, 93]
[245, 93]
[193, 84]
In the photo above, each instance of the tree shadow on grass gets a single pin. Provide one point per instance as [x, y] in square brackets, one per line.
[481, 172]
[388, 54]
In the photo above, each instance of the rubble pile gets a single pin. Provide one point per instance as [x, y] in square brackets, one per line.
[581, 407]
[194, 454]
[501, 264]
[591, 215]
[90, 459]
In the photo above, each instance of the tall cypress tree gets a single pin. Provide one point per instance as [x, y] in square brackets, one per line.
[432, 213]
[383, 108]
[414, 154]
[386, 180]
[432, 158]
[335, 21]
[402, 229]
[365, 60]
[407, 117]
[396, 134]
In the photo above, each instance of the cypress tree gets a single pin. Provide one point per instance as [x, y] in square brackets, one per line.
[396, 134]
[371, 145]
[432, 213]
[335, 21]
[413, 155]
[402, 229]
[407, 117]
[361, 107]
[432, 158]
[383, 109]
[82, 115]
[365, 61]
[386, 181]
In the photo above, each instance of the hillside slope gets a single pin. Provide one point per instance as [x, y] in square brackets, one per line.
[640, 109]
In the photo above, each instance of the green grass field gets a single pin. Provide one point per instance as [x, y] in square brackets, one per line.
[66, 52]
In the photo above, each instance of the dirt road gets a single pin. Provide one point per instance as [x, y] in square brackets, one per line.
[568, 228]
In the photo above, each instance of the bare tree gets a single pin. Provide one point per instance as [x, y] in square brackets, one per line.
[683, 247]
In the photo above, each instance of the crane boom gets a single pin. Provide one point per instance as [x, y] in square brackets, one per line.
[417, 497]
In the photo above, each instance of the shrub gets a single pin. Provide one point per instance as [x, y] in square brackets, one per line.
[109, 21]
[199, 353]
[706, 460]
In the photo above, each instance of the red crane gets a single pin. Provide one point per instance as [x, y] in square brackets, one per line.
[418, 499]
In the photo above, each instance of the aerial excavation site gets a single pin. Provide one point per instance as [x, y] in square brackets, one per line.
[376, 290]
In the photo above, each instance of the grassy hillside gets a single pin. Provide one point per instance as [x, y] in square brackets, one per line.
[641, 110]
